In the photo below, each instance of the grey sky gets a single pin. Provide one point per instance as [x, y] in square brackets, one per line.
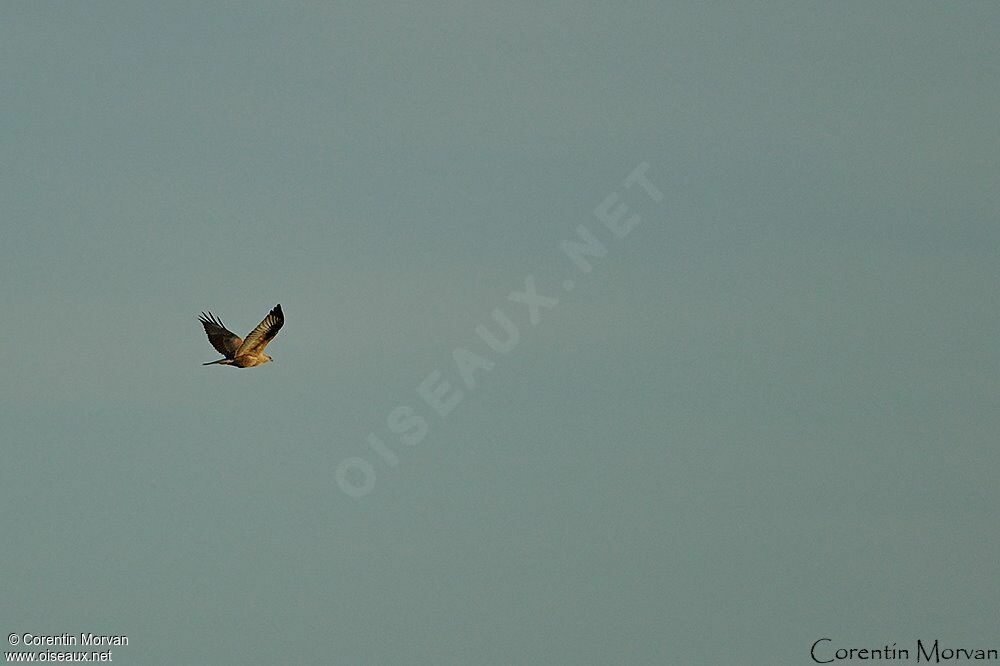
[768, 415]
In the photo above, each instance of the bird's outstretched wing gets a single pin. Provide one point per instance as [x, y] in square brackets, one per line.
[264, 333]
[225, 341]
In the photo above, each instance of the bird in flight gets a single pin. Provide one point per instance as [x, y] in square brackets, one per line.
[238, 352]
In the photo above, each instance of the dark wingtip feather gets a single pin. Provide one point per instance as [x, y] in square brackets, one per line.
[209, 318]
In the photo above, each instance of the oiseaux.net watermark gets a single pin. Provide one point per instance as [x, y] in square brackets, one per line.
[64, 647]
[440, 393]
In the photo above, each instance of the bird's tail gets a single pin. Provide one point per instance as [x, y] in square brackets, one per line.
[223, 361]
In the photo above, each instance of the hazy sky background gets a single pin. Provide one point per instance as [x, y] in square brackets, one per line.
[769, 415]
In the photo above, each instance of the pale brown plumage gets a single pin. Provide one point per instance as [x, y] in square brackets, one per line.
[242, 353]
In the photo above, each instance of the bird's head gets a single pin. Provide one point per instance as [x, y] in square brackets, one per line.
[267, 358]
